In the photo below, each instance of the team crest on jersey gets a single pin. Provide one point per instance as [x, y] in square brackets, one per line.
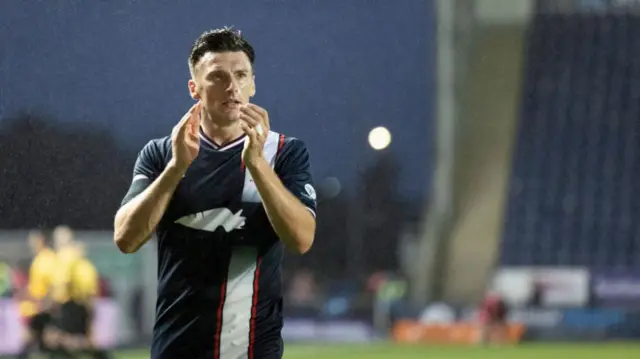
[212, 219]
[311, 192]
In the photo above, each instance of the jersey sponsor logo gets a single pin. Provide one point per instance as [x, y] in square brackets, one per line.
[212, 219]
[311, 192]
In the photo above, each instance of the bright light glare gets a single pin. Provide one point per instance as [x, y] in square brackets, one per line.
[379, 138]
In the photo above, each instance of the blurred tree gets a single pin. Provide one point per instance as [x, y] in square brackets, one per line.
[55, 174]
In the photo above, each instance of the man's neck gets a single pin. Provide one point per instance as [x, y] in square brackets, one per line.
[219, 131]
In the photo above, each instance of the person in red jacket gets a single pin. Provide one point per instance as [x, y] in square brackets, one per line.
[493, 320]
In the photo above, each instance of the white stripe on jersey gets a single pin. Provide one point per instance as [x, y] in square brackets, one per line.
[238, 301]
[238, 304]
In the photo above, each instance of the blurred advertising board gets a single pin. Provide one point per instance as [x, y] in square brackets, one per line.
[536, 318]
[12, 326]
[529, 317]
[577, 324]
[332, 331]
[616, 288]
[555, 286]
[590, 325]
[528, 324]
[465, 333]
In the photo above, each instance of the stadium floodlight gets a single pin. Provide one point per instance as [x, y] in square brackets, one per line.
[379, 138]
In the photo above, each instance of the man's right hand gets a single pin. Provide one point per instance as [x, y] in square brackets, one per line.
[185, 139]
[136, 220]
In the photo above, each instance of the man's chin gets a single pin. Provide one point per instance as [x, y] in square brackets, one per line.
[226, 116]
[233, 117]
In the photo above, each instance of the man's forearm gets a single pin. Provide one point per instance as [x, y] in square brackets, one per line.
[292, 222]
[136, 220]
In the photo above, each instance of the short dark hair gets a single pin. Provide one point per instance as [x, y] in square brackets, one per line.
[220, 40]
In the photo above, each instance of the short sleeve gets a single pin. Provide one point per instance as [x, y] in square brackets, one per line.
[293, 166]
[146, 169]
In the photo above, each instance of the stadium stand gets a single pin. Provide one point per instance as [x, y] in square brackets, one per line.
[575, 196]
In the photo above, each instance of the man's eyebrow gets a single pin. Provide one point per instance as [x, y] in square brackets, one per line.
[212, 71]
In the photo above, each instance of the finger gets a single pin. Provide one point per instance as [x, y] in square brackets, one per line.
[193, 135]
[257, 109]
[253, 124]
[251, 121]
[263, 113]
[251, 133]
[244, 126]
[194, 109]
[192, 142]
[179, 128]
[251, 112]
[194, 121]
[247, 126]
[256, 123]
[188, 118]
[196, 112]
[259, 130]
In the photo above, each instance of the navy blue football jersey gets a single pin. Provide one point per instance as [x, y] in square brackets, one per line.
[219, 280]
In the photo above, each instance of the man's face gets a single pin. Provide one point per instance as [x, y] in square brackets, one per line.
[62, 237]
[223, 81]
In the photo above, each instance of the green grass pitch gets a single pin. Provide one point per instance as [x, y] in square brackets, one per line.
[392, 351]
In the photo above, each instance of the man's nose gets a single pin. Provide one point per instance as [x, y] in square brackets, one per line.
[234, 86]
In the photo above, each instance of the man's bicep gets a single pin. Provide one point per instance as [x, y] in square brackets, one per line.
[295, 173]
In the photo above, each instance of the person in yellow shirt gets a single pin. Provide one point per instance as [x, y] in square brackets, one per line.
[34, 306]
[75, 287]
[67, 253]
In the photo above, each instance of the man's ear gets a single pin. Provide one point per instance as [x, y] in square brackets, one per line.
[253, 87]
[192, 90]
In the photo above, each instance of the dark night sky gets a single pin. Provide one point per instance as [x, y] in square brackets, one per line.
[327, 70]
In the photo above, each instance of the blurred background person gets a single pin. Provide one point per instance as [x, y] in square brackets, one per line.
[35, 305]
[492, 320]
[455, 143]
[76, 286]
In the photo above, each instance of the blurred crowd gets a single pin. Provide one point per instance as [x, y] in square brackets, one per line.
[54, 290]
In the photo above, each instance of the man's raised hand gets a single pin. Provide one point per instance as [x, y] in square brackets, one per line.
[254, 121]
[185, 139]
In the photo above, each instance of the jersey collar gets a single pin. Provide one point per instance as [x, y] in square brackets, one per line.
[223, 147]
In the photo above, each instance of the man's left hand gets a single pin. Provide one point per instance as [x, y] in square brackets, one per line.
[254, 121]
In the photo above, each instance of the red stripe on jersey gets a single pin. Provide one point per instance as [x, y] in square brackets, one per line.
[280, 144]
[223, 294]
[254, 308]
